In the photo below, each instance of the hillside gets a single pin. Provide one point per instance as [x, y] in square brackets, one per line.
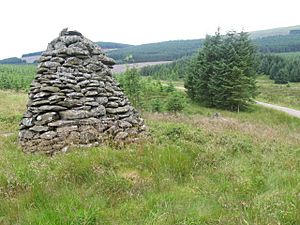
[273, 40]
[106, 46]
[13, 60]
[280, 43]
[273, 32]
[161, 51]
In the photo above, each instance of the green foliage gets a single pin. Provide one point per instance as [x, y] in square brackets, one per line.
[223, 74]
[280, 43]
[148, 94]
[131, 82]
[279, 94]
[175, 70]
[175, 102]
[156, 105]
[16, 77]
[281, 68]
[243, 168]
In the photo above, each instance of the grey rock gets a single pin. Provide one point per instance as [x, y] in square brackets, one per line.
[42, 102]
[118, 110]
[83, 83]
[59, 45]
[48, 135]
[89, 121]
[72, 61]
[91, 93]
[121, 136]
[67, 80]
[55, 98]
[67, 129]
[92, 104]
[112, 105]
[57, 59]
[70, 39]
[102, 100]
[46, 118]
[60, 123]
[41, 95]
[75, 51]
[124, 124]
[53, 108]
[27, 122]
[74, 99]
[50, 89]
[93, 67]
[98, 111]
[85, 107]
[27, 114]
[74, 114]
[44, 58]
[39, 128]
[73, 87]
[50, 64]
[26, 134]
[75, 95]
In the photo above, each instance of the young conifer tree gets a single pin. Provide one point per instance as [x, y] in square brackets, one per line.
[223, 75]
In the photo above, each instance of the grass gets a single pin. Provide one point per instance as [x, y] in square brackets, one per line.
[280, 94]
[237, 169]
[289, 55]
[16, 77]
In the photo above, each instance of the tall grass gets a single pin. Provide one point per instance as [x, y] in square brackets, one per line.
[281, 94]
[16, 77]
[193, 169]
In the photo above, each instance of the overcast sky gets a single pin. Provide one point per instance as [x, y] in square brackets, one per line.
[28, 25]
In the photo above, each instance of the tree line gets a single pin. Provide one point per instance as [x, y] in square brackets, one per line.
[280, 69]
[277, 44]
[175, 70]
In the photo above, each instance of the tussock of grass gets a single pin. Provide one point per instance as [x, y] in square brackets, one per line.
[237, 169]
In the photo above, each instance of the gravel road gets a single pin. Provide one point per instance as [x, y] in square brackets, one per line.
[292, 112]
[289, 111]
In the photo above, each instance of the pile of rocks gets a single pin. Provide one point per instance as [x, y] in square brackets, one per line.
[74, 100]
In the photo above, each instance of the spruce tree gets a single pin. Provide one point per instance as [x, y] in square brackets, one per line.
[223, 74]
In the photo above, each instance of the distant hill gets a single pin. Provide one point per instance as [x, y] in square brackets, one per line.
[280, 43]
[13, 60]
[273, 32]
[161, 51]
[106, 46]
[112, 45]
[284, 39]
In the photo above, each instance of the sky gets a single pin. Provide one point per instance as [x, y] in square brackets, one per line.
[28, 26]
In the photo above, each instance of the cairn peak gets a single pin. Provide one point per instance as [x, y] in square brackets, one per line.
[74, 99]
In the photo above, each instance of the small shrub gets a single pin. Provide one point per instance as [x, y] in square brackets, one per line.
[156, 105]
[175, 103]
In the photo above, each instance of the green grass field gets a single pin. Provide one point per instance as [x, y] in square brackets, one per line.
[194, 169]
[289, 54]
[280, 94]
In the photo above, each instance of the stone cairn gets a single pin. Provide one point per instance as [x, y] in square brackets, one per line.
[74, 100]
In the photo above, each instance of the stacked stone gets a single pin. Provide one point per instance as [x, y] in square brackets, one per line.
[74, 100]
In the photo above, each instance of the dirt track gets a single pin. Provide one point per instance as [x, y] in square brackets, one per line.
[289, 111]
